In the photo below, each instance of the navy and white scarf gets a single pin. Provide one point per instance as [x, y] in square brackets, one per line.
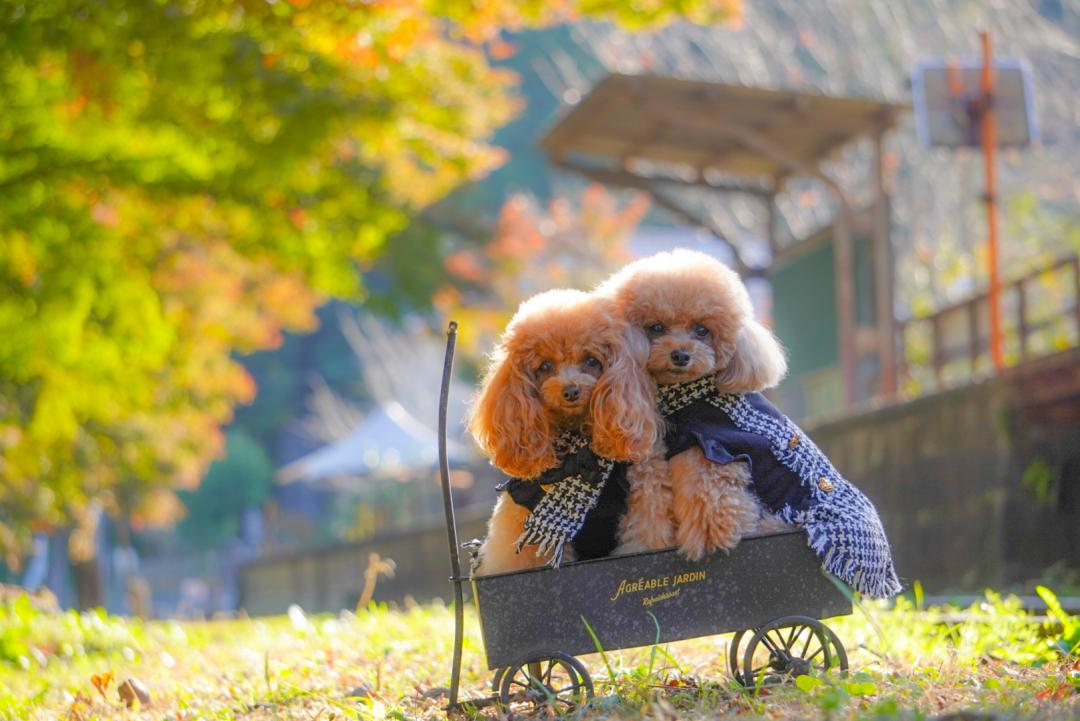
[790, 474]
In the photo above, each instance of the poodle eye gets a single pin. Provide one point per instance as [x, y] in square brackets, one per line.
[545, 367]
[701, 331]
[591, 362]
[655, 329]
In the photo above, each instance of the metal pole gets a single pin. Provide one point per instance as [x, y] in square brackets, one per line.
[451, 523]
[989, 141]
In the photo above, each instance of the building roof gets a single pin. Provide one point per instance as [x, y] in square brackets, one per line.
[730, 137]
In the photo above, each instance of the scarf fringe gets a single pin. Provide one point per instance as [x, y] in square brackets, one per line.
[874, 581]
[562, 511]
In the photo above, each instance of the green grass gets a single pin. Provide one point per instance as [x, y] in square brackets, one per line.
[906, 663]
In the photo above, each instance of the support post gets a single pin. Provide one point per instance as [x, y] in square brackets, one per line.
[973, 332]
[1021, 317]
[989, 141]
[770, 228]
[845, 296]
[938, 353]
[1076, 293]
[883, 273]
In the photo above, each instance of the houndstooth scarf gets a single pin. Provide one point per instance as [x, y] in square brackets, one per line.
[676, 396]
[842, 525]
[576, 483]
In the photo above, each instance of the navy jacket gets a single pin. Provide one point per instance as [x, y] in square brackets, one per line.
[708, 427]
[790, 475]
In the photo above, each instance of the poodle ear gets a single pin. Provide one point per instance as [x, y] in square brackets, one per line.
[623, 405]
[509, 423]
[757, 361]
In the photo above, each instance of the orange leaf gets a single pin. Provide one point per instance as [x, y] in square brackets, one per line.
[101, 682]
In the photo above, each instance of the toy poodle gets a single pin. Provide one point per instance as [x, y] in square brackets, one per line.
[696, 315]
[563, 406]
[735, 463]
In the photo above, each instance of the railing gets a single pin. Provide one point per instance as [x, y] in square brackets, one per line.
[1040, 315]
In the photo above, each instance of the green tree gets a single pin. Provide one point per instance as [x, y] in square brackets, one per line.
[239, 481]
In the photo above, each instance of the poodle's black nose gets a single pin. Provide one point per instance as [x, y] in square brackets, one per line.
[680, 357]
[571, 393]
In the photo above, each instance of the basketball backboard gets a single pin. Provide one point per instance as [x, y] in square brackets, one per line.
[947, 97]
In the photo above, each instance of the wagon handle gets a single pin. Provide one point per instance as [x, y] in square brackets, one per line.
[448, 507]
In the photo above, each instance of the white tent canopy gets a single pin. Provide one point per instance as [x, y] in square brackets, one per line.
[402, 369]
[388, 441]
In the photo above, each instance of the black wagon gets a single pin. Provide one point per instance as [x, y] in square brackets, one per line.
[770, 591]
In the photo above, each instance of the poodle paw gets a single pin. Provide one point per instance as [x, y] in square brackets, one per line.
[721, 539]
[692, 547]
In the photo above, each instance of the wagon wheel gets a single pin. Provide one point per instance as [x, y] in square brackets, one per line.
[546, 679]
[788, 647]
[736, 649]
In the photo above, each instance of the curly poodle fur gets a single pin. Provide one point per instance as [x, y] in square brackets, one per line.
[564, 362]
[696, 315]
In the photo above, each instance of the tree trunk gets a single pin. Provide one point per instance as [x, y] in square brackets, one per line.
[89, 591]
[137, 590]
[83, 552]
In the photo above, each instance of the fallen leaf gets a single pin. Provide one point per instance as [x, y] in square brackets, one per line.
[360, 691]
[436, 692]
[102, 682]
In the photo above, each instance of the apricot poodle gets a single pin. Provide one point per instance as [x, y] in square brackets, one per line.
[696, 315]
[565, 363]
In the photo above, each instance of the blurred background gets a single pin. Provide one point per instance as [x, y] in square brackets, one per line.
[232, 233]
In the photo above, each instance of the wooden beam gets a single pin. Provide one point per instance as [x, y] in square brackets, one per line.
[883, 273]
[771, 223]
[1021, 319]
[630, 179]
[845, 297]
[633, 148]
[1075, 265]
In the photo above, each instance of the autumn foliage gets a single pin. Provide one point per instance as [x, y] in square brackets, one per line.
[565, 244]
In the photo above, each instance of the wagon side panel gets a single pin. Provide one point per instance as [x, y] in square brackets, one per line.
[762, 579]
